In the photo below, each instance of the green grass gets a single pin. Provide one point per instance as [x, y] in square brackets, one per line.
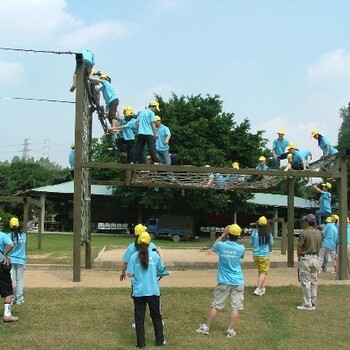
[101, 319]
[57, 248]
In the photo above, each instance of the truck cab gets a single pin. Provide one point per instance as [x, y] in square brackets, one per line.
[176, 227]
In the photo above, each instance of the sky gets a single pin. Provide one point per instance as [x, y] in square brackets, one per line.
[282, 64]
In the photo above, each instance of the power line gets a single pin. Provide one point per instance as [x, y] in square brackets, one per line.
[39, 51]
[36, 99]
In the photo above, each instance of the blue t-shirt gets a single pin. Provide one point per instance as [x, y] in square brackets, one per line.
[18, 253]
[145, 281]
[262, 167]
[229, 266]
[325, 202]
[5, 240]
[330, 236]
[163, 133]
[108, 92]
[280, 146]
[131, 249]
[71, 159]
[145, 118]
[297, 158]
[324, 144]
[88, 58]
[129, 130]
[260, 250]
[348, 233]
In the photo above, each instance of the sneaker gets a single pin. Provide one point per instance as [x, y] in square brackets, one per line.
[203, 329]
[162, 344]
[305, 307]
[257, 292]
[10, 318]
[19, 301]
[262, 291]
[230, 333]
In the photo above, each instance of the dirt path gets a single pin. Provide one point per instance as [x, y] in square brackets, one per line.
[108, 263]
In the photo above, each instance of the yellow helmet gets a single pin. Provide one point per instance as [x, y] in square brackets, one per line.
[329, 219]
[158, 118]
[328, 185]
[262, 221]
[235, 230]
[72, 145]
[335, 217]
[138, 229]
[262, 159]
[314, 133]
[127, 111]
[154, 104]
[235, 165]
[144, 238]
[291, 145]
[281, 132]
[14, 223]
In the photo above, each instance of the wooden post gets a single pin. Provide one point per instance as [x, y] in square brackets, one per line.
[77, 213]
[342, 260]
[290, 216]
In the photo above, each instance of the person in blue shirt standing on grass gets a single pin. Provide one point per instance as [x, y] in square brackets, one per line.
[143, 267]
[261, 240]
[229, 277]
[6, 289]
[18, 259]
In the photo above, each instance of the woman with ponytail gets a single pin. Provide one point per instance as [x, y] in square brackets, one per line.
[142, 268]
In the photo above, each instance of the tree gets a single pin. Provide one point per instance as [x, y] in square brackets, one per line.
[201, 134]
[344, 131]
[20, 176]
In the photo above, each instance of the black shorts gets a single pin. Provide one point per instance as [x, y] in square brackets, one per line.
[5, 283]
[297, 166]
[112, 110]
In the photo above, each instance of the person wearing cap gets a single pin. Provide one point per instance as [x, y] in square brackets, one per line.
[162, 142]
[6, 289]
[297, 160]
[324, 144]
[109, 95]
[147, 133]
[330, 242]
[129, 131]
[89, 62]
[132, 248]
[142, 268]
[261, 240]
[71, 159]
[279, 146]
[230, 280]
[262, 164]
[309, 244]
[324, 202]
[18, 259]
